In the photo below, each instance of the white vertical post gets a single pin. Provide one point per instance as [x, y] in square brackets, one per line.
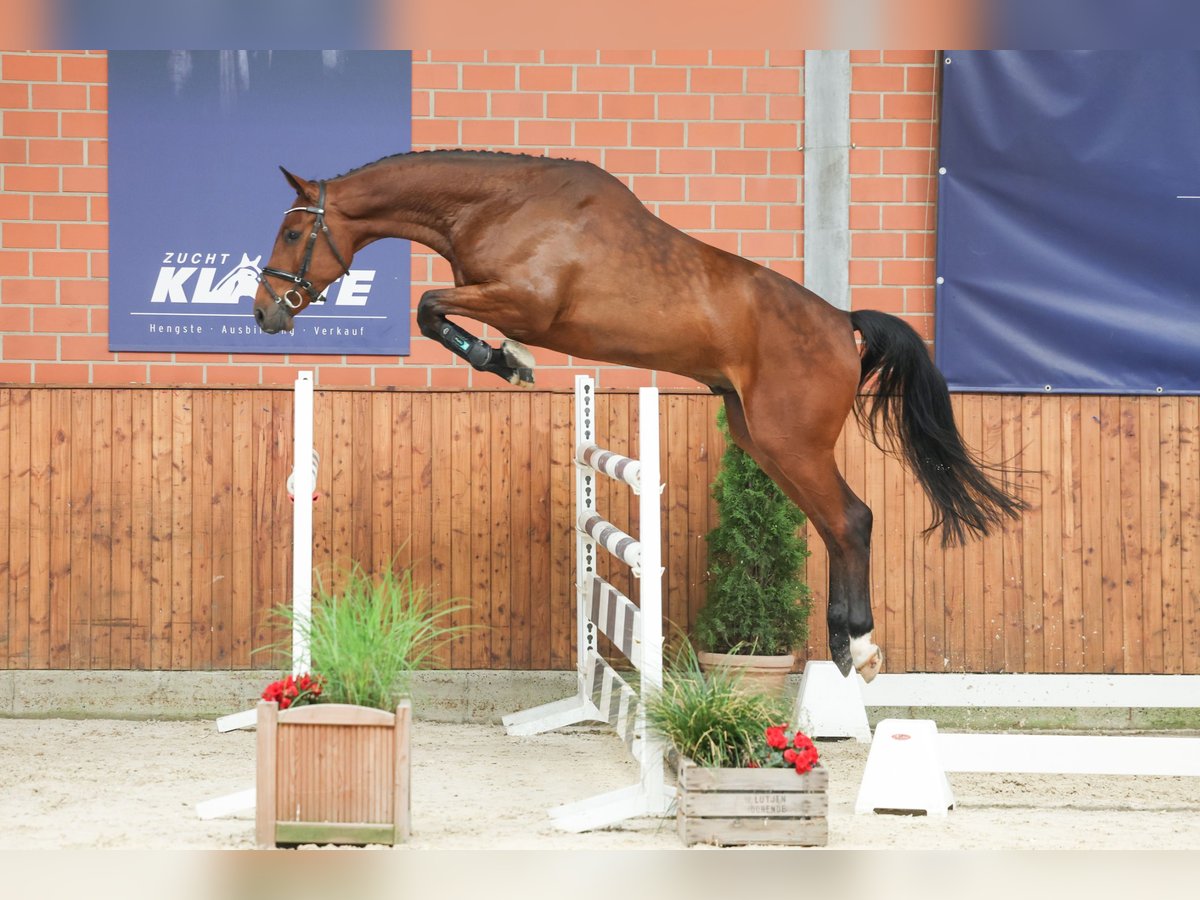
[585, 501]
[303, 485]
[650, 584]
[650, 538]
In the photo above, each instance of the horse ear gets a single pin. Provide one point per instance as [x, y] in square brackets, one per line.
[303, 188]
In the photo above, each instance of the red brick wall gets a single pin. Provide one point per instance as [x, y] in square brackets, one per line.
[708, 139]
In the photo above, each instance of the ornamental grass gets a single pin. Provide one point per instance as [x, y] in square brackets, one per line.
[710, 717]
[368, 638]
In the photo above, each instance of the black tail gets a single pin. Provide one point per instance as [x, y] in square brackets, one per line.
[909, 413]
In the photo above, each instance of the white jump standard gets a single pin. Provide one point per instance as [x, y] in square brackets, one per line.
[301, 486]
[602, 695]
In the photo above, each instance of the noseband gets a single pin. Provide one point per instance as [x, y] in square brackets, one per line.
[291, 300]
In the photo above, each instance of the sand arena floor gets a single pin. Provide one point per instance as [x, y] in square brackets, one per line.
[126, 784]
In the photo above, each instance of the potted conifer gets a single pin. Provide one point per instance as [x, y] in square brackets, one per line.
[756, 615]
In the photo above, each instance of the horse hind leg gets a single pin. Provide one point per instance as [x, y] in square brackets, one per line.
[511, 361]
[808, 474]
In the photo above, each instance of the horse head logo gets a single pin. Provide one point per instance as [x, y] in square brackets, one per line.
[241, 281]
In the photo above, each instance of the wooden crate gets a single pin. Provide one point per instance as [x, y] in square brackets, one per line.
[332, 773]
[752, 806]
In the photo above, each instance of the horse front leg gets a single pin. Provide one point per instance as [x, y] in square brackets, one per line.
[510, 361]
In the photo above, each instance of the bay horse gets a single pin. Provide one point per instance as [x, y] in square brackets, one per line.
[560, 254]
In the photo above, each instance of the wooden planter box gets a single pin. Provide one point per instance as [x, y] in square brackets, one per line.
[332, 773]
[752, 806]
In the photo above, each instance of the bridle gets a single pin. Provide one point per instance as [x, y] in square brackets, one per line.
[297, 278]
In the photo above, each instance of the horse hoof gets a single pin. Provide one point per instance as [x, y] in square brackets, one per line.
[517, 355]
[519, 361]
[871, 656]
[521, 377]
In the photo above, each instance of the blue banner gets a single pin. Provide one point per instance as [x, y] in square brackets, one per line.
[1069, 222]
[196, 196]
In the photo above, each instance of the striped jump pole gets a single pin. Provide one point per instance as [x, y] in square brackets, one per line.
[636, 631]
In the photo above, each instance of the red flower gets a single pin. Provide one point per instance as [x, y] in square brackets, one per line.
[775, 738]
[805, 755]
[789, 756]
[293, 691]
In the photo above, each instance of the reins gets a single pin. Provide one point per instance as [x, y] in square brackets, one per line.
[297, 278]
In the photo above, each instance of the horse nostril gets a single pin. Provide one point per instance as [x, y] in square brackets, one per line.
[258, 317]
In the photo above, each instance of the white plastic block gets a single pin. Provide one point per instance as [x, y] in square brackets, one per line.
[904, 771]
[830, 705]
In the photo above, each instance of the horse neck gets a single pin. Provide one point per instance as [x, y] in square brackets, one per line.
[418, 198]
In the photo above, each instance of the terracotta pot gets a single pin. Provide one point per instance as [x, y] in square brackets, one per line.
[760, 673]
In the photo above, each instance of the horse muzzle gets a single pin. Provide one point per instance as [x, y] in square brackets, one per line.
[273, 319]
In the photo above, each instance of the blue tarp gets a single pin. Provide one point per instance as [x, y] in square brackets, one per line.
[1069, 222]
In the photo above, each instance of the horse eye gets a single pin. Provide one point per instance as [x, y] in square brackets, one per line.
[293, 235]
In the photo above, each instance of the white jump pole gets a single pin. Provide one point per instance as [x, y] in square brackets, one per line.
[301, 486]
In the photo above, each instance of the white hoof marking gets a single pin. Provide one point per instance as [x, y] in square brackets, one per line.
[866, 656]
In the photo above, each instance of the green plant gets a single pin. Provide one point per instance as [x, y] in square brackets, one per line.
[367, 639]
[709, 717]
[758, 600]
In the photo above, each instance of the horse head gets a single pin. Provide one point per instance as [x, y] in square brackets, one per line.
[305, 260]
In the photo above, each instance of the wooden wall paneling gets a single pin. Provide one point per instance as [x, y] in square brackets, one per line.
[1189, 515]
[261, 542]
[460, 518]
[341, 488]
[1091, 530]
[1033, 655]
[442, 487]
[562, 534]
[34, 455]
[200, 619]
[244, 537]
[384, 542]
[520, 530]
[497, 476]
[99, 587]
[1074, 637]
[1110, 534]
[991, 590]
[697, 449]
[58, 639]
[361, 466]
[149, 528]
[1052, 534]
[1150, 475]
[674, 436]
[970, 576]
[181, 533]
[222, 541]
[479, 529]
[1169, 534]
[5, 530]
[141, 539]
[1132, 558]
[542, 596]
